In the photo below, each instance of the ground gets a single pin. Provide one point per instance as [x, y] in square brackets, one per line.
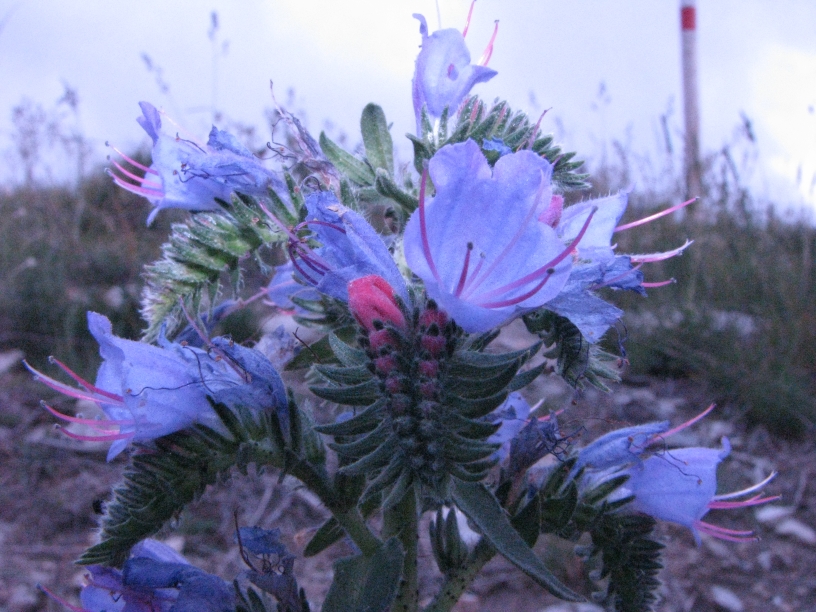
[48, 486]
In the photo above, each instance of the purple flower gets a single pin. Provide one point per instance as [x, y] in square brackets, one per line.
[154, 579]
[444, 74]
[350, 249]
[190, 175]
[511, 417]
[148, 391]
[597, 264]
[478, 245]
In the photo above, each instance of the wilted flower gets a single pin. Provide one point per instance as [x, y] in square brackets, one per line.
[350, 249]
[476, 244]
[191, 175]
[148, 391]
[154, 579]
[444, 74]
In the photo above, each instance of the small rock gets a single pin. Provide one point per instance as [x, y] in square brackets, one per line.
[727, 599]
[665, 407]
[772, 514]
[572, 607]
[797, 529]
[9, 359]
[765, 560]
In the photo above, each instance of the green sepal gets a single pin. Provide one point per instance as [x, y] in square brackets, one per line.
[365, 444]
[353, 375]
[471, 428]
[479, 388]
[400, 488]
[525, 378]
[356, 170]
[447, 545]
[355, 395]
[481, 506]
[379, 146]
[318, 351]
[347, 355]
[360, 423]
[463, 450]
[556, 512]
[476, 407]
[376, 460]
[331, 532]
[388, 188]
[527, 521]
[366, 584]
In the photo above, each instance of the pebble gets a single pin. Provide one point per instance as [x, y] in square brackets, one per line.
[727, 599]
[9, 359]
[573, 607]
[797, 529]
[772, 514]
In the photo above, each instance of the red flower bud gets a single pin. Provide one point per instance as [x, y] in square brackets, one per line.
[372, 298]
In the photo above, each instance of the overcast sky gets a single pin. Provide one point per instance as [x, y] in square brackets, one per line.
[757, 57]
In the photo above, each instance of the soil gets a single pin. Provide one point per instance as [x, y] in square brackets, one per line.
[49, 485]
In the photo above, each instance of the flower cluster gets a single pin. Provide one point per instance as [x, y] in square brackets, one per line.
[409, 277]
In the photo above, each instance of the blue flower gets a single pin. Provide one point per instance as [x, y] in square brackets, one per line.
[350, 249]
[190, 175]
[444, 74]
[597, 266]
[154, 579]
[148, 391]
[478, 245]
[511, 417]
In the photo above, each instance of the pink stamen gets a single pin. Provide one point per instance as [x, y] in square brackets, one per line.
[133, 162]
[463, 276]
[680, 427]
[423, 227]
[488, 52]
[82, 381]
[60, 600]
[650, 218]
[147, 193]
[467, 23]
[474, 284]
[546, 269]
[725, 534]
[754, 501]
[95, 423]
[71, 391]
[105, 438]
[142, 180]
[671, 281]
[748, 491]
[653, 257]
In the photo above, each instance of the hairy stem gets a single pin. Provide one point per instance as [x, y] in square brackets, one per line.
[456, 581]
[402, 521]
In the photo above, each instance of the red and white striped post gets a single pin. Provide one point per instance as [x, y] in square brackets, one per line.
[688, 34]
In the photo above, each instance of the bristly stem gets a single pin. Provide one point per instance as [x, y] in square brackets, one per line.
[402, 521]
[459, 579]
[350, 519]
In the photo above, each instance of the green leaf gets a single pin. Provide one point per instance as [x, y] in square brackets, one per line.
[356, 170]
[356, 395]
[388, 188]
[481, 506]
[366, 584]
[347, 355]
[361, 422]
[379, 146]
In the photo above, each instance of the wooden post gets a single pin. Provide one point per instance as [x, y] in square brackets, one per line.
[688, 26]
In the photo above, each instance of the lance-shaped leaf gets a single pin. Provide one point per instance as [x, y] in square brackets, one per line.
[356, 170]
[366, 584]
[481, 507]
[379, 146]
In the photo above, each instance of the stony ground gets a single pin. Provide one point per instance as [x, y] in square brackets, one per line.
[48, 486]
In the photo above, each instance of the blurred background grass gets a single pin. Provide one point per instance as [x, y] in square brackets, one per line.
[740, 320]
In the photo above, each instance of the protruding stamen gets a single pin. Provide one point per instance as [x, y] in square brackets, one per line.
[722, 533]
[98, 424]
[142, 180]
[463, 276]
[467, 23]
[615, 279]
[142, 191]
[521, 298]
[671, 281]
[680, 427]
[488, 52]
[752, 489]
[82, 381]
[106, 438]
[754, 501]
[662, 213]
[108, 398]
[653, 257]
[132, 161]
[423, 227]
